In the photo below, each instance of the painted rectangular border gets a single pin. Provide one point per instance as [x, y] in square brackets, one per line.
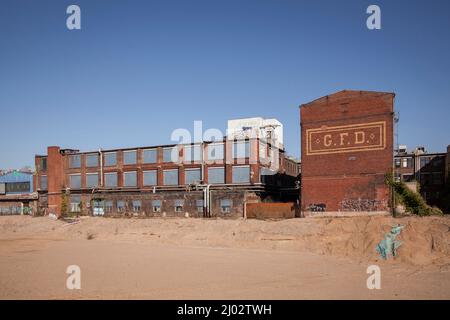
[382, 145]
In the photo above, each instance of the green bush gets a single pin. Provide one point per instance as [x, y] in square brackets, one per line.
[413, 201]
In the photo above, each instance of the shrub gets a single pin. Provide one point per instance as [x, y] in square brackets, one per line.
[413, 201]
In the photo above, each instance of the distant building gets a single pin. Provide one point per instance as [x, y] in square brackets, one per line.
[268, 130]
[16, 193]
[428, 170]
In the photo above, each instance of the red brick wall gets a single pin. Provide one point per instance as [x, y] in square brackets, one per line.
[270, 210]
[347, 148]
[55, 179]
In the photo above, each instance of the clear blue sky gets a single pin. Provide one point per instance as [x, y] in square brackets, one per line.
[139, 69]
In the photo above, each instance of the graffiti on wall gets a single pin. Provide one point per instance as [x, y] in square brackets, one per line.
[363, 205]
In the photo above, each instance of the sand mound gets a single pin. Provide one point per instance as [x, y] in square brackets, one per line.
[425, 240]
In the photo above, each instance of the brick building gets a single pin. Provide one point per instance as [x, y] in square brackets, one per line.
[427, 171]
[17, 195]
[347, 150]
[200, 179]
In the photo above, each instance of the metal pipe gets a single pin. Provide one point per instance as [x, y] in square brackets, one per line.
[101, 166]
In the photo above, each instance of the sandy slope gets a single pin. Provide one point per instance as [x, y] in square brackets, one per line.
[243, 259]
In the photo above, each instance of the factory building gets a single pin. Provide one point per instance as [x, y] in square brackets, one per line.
[206, 179]
[16, 193]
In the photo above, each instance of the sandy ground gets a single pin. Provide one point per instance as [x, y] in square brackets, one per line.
[222, 259]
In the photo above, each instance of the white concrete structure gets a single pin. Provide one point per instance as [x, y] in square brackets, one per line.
[270, 130]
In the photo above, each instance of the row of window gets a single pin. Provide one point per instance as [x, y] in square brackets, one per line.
[192, 153]
[107, 206]
[408, 162]
[216, 175]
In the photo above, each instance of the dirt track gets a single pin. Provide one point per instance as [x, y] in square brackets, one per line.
[221, 259]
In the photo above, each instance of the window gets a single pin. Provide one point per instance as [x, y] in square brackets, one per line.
[91, 180]
[178, 204]
[43, 184]
[241, 174]
[397, 162]
[437, 178]
[193, 153]
[192, 176]
[225, 205]
[150, 178]
[121, 206]
[75, 203]
[75, 181]
[199, 205]
[75, 161]
[216, 175]
[130, 179]
[170, 154]
[262, 150]
[170, 177]
[108, 206]
[136, 205]
[424, 161]
[43, 164]
[215, 151]
[408, 177]
[404, 163]
[15, 187]
[110, 159]
[92, 160]
[98, 209]
[241, 149]
[150, 155]
[129, 157]
[425, 178]
[156, 205]
[111, 179]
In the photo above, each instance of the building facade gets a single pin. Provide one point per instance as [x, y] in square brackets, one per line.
[208, 179]
[347, 150]
[17, 194]
[427, 172]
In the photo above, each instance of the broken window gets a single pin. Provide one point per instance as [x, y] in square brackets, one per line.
[178, 204]
[121, 205]
[75, 203]
[136, 205]
[156, 205]
[225, 205]
[108, 206]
